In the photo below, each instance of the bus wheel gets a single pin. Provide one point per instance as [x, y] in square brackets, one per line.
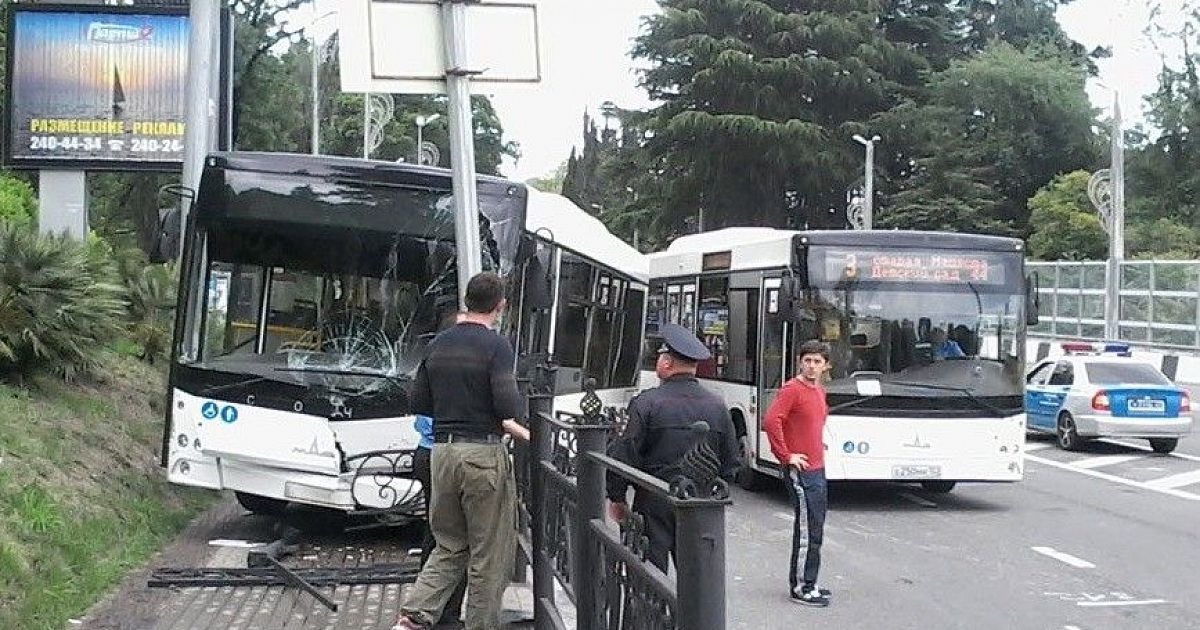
[1163, 445]
[747, 477]
[938, 487]
[265, 506]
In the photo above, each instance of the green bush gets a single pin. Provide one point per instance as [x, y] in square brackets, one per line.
[18, 203]
[59, 303]
[151, 295]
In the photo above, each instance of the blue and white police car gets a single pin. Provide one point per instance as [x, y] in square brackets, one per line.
[1098, 390]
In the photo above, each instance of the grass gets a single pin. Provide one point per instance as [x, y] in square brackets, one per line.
[82, 499]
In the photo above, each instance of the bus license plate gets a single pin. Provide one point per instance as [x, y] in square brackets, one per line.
[1147, 405]
[916, 472]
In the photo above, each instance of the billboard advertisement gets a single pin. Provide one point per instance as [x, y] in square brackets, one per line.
[96, 87]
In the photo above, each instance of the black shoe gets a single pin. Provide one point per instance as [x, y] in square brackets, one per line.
[810, 596]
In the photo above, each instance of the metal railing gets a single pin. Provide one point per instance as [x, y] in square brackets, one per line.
[603, 570]
[1159, 301]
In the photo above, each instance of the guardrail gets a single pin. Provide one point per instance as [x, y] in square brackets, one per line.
[1159, 301]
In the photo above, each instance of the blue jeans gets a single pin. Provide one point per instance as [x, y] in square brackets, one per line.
[810, 500]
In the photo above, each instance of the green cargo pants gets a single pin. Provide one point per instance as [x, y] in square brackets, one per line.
[473, 518]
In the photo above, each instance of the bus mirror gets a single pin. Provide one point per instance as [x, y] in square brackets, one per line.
[166, 236]
[1032, 299]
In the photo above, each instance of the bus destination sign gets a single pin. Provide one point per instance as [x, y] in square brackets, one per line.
[927, 267]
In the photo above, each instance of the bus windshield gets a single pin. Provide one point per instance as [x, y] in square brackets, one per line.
[924, 325]
[346, 281]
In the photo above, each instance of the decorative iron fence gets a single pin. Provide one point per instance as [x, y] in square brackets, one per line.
[1159, 301]
[603, 570]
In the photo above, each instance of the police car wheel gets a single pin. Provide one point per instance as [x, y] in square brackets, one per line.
[1163, 445]
[261, 505]
[938, 487]
[1068, 437]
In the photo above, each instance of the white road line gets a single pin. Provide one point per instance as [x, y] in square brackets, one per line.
[1067, 558]
[1176, 481]
[1113, 478]
[1105, 460]
[1072, 628]
[1035, 446]
[784, 516]
[918, 500]
[1146, 447]
[1138, 602]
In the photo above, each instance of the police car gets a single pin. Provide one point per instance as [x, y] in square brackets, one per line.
[1100, 391]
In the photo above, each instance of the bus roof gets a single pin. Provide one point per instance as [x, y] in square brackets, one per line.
[558, 219]
[762, 247]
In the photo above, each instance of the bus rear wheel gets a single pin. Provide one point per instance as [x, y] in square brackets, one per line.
[748, 478]
[938, 487]
[265, 506]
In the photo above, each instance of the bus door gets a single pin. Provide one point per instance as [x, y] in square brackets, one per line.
[774, 366]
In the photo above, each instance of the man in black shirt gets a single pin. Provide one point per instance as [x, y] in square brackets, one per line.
[466, 383]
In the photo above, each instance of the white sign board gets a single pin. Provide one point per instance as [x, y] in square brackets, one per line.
[396, 46]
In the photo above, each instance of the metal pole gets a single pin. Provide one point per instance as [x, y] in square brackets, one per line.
[201, 113]
[590, 506]
[367, 126]
[1116, 230]
[541, 404]
[315, 140]
[420, 138]
[869, 176]
[462, 143]
[700, 562]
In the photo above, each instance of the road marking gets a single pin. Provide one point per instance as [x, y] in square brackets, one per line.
[1067, 558]
[1176, 481]
[1072, 628]
[1035, 446]
[1105, 460]
[784, 516]
[1113, 478]
[918, 500]
[1144, 447]
[1138, 602]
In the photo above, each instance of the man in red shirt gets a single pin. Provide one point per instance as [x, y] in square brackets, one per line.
[795, 424]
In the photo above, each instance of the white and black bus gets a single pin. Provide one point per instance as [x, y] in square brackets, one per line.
[927, 332]
[309, 289]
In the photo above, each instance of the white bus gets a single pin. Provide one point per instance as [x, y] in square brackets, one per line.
[309, 289]
[901, 408]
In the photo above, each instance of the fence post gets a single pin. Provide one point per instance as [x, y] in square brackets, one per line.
[541, 405]
[591, 437]
[700, 562]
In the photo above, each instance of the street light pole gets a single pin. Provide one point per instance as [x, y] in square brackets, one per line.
[421, 121]
[1116, 227]
[315, 140]
[869, 180]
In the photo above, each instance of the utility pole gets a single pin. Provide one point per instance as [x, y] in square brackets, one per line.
[201, 115]
[315, 141]
[462, 143]
[1116, 227]
[367, 126]
[868, 181]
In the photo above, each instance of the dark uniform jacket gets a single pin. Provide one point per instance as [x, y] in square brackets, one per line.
[659, 431]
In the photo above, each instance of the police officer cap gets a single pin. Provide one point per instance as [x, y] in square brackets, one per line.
[678, 340]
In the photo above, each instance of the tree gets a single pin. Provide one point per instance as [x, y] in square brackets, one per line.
[760, 99]
[1064, 226]
[998, 126]
[550, 182]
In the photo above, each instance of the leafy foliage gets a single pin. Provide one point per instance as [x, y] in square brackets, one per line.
[18, 204]
[59, 303]
[1064, 225]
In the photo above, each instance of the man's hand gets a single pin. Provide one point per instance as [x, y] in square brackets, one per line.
[799, 461]
[514, 428]
[618, 511]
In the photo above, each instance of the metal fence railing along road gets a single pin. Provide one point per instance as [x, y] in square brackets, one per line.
[1159, 301]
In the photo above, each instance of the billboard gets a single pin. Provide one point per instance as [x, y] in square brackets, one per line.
[96, 87]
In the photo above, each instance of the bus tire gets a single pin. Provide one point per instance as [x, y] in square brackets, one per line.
[1163, 445]
[265, 506]
[938, 487]
[748, 478]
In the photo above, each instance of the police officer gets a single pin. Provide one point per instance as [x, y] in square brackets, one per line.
[659, 433]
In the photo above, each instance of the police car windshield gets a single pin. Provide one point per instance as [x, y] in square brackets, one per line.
[1113, 373]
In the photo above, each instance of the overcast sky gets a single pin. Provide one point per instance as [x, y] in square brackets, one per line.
[586, 61]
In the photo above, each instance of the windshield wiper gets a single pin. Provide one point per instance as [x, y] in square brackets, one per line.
[967, 392]
[213, 389]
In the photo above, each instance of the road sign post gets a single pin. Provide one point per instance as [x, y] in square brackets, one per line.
[449, 44]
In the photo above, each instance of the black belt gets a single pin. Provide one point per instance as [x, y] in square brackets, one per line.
[451, 438]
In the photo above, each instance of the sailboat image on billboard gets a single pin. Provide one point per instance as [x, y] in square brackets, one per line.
[118, 94]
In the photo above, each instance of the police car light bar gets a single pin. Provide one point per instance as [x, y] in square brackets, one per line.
[1083, 347]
